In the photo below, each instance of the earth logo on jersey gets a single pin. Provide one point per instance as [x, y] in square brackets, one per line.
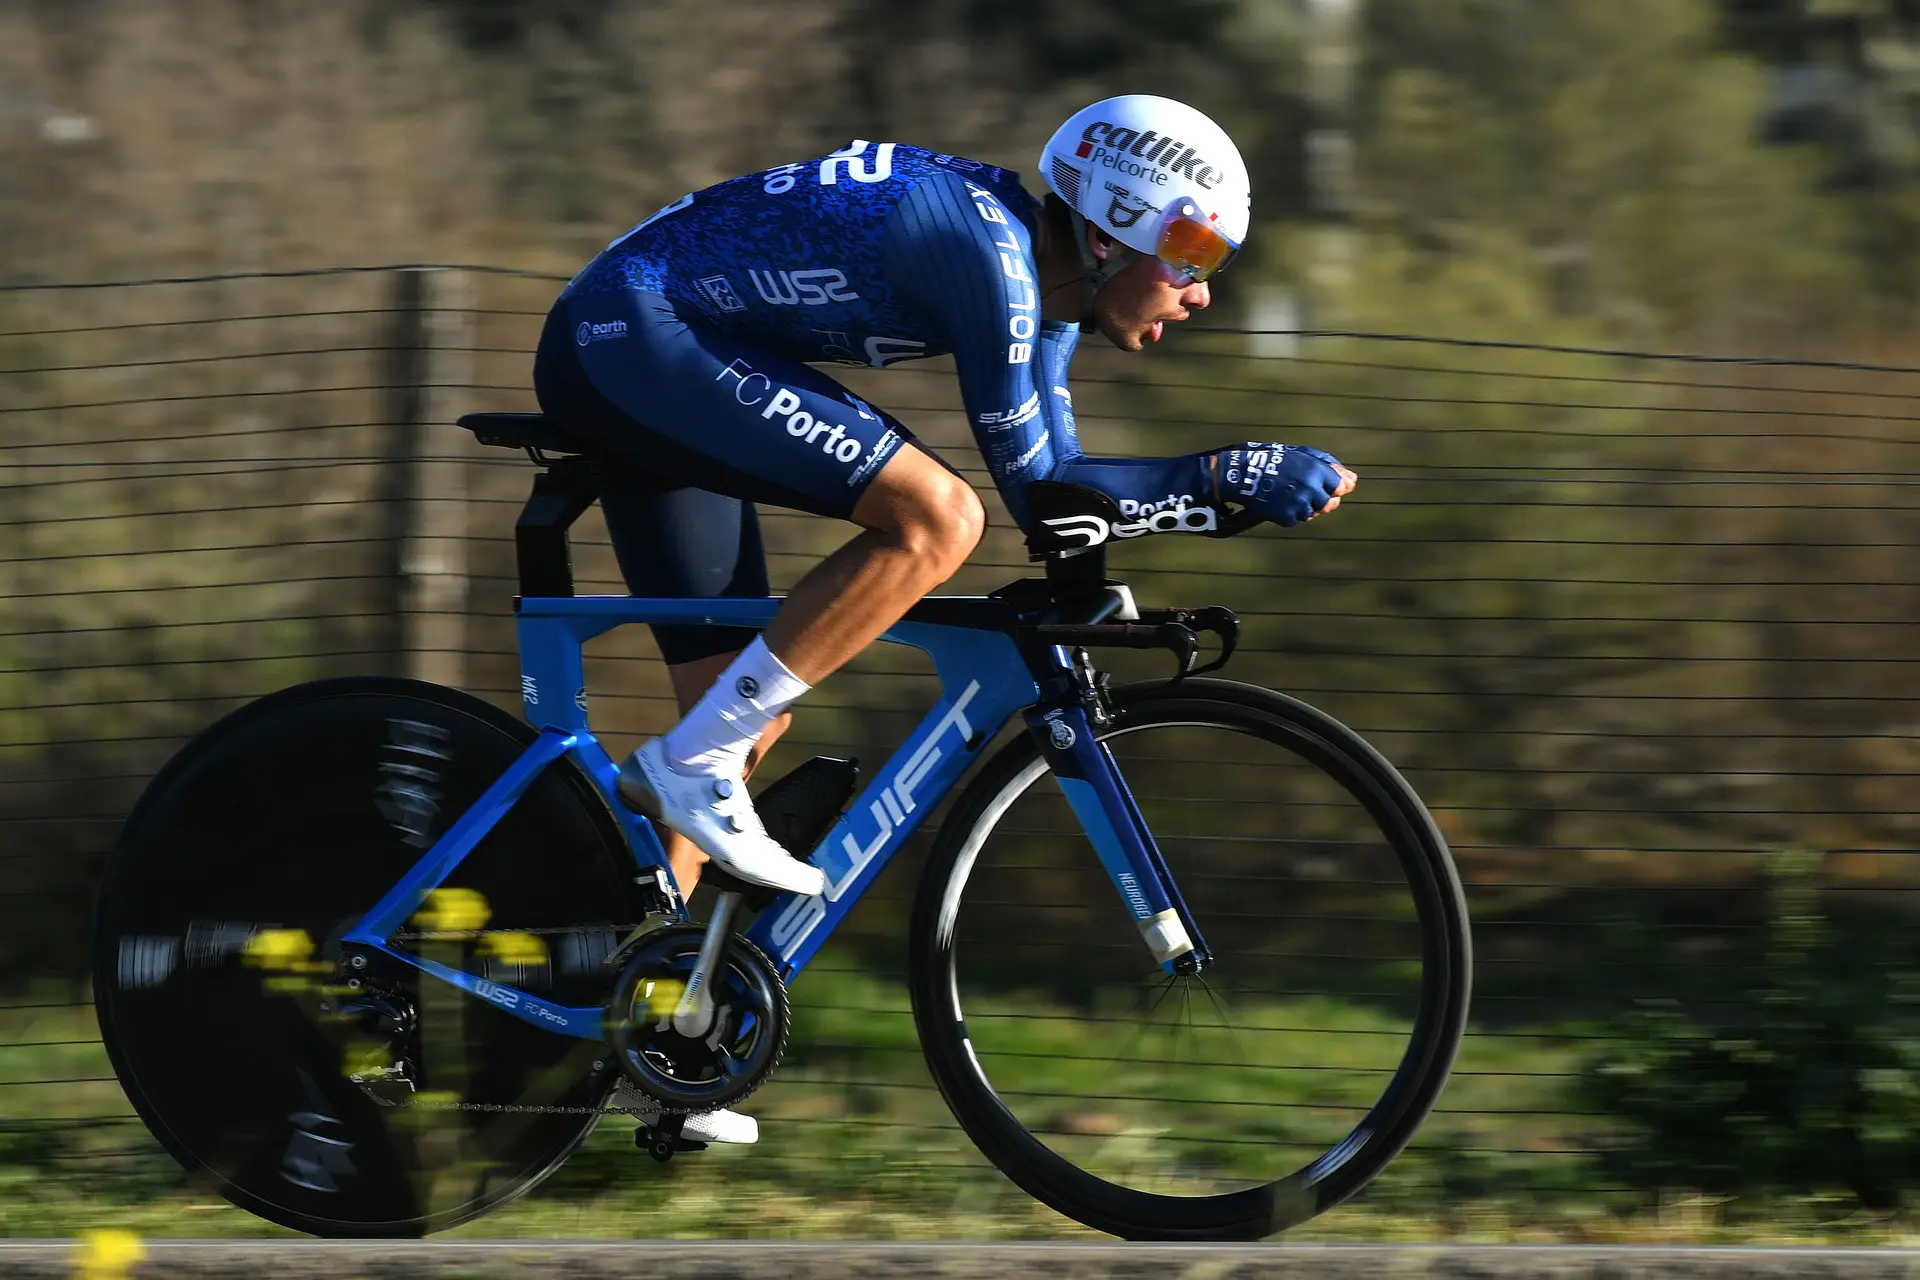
[588, 332]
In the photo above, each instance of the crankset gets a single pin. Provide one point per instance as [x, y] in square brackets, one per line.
[691, 1048]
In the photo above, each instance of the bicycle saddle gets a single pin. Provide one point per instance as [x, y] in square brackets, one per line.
[521, 431]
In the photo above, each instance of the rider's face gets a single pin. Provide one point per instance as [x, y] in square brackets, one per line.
[1134, 306]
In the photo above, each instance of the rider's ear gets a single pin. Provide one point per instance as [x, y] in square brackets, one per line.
[1103, 245]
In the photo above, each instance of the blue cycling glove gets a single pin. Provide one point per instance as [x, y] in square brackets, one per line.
[1284, 483]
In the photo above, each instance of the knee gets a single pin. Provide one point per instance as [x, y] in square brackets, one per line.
[944, 523]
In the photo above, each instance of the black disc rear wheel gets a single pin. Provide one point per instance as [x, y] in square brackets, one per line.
[1270, 1087]
[397, 1106]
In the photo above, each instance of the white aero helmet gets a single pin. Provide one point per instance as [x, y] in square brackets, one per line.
[1157, 176]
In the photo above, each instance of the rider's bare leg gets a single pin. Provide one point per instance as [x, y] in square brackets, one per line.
[920, 522]
[690, 681]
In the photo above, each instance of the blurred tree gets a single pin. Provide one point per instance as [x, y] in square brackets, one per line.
[600, 113]
[1615, 143]
[1844, 76]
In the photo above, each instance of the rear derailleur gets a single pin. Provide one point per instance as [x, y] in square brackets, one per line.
[375, 1031]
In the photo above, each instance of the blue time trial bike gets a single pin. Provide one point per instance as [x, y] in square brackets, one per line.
[375, 956]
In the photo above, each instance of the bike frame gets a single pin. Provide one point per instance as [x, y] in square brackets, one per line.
[986, 678]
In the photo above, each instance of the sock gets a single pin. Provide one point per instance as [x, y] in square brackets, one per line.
[717, 734]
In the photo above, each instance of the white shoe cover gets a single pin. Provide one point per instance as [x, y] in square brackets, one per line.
[721, 1126]
[717, 815]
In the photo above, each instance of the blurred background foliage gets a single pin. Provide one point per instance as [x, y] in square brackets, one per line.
[1810, 1083]
[1693, 170]
[1625, 691]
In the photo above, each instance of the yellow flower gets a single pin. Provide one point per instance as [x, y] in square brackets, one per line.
[108, 1255]
[514, 948]
[453, 911]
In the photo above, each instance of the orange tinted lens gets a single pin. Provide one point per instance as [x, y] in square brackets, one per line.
[1194, 247]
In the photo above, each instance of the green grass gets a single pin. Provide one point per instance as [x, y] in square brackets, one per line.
[857, 1144]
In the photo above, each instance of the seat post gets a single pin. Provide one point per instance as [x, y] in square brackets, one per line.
[561, 493]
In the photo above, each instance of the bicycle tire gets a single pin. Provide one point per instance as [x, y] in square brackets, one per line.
[232, 823]
[1345, 1167]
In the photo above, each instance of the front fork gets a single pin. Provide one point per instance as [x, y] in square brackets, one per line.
[1064, 724]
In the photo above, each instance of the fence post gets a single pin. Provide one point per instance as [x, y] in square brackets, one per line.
[432, 357]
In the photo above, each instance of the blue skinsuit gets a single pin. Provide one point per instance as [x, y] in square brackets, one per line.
[678, 354]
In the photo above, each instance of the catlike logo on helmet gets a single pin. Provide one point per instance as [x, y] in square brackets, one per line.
[1109, 145]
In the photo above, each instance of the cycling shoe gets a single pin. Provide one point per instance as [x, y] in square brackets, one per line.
[700, 1127]
[720, 1126]
[717, 815]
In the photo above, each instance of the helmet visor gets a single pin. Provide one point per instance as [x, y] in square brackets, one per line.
[1191, 243]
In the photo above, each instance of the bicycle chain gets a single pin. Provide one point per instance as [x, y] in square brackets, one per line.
[415, 1103]
[518, 1108]
[514, 1107]
[459, 935]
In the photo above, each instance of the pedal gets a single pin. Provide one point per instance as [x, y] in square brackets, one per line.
[755, 897]
[663, 1141]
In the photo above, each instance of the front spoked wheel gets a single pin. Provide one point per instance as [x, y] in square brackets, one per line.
[1247, 1099]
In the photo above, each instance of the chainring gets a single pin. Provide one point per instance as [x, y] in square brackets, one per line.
[727, 1056]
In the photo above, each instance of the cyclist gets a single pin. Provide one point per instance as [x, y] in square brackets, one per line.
[679, 355]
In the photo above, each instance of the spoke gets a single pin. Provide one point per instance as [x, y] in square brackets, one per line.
[1226, 1021]
[1180, 1014]
[1146, 1023]
[1167, 983]
[1170, 1029]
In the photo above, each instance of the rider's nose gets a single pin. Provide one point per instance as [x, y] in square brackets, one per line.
[1197, 296]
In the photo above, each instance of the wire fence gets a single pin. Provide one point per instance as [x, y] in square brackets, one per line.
[1634, 623]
